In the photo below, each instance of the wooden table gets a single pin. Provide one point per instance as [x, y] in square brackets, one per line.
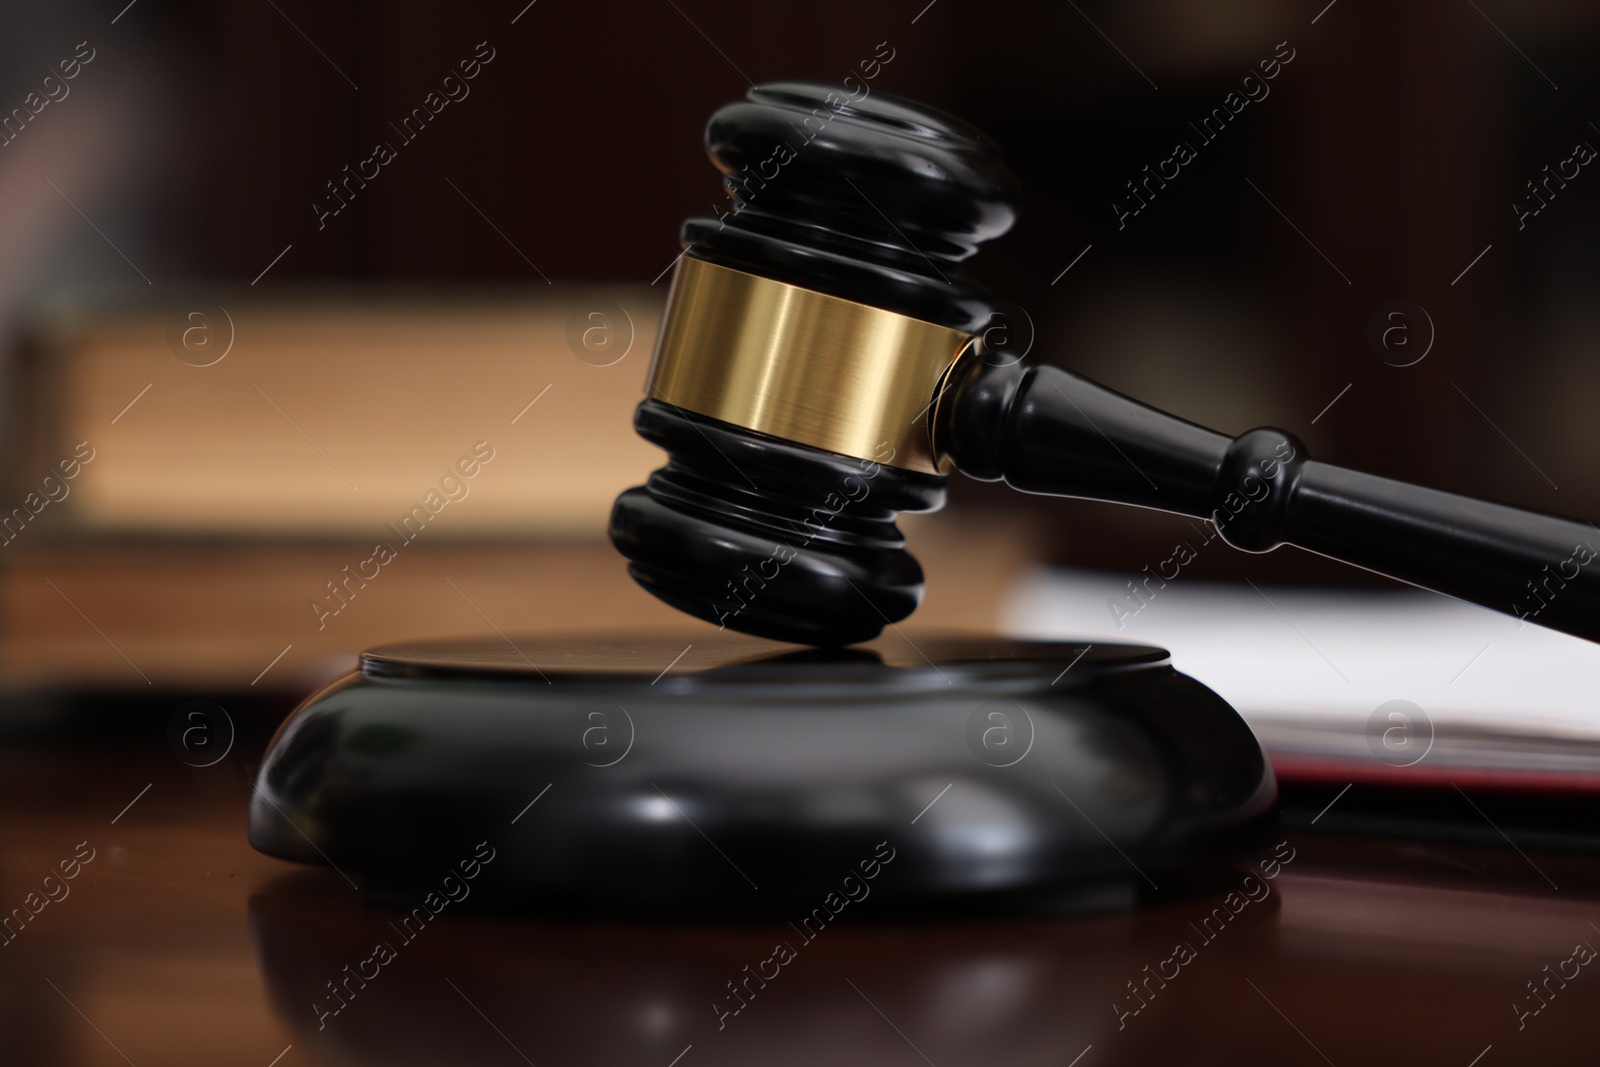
[177, 944]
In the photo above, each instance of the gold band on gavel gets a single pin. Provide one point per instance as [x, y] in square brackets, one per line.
[801, 365]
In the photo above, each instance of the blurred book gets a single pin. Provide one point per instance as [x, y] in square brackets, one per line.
[231, 414]
[1394, 686]
[230, 491]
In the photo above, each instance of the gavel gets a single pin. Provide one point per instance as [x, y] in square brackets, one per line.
[821, 369]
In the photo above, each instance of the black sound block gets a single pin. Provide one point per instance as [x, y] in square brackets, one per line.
[740, 775]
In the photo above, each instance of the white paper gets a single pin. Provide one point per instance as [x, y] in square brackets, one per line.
[1283, 655]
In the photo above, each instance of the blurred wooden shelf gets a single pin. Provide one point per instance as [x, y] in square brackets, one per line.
[215, 615]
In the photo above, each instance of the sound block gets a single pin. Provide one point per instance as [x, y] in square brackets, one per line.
[737, 775]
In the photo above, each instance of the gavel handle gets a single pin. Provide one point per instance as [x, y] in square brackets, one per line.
[1046, 430]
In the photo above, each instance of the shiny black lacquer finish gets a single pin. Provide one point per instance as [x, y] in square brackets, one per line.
[1047, 430]
[875, 201]
[747, 779]
[868, 198]
[771, 538]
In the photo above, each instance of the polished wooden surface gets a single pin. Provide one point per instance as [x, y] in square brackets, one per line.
[177, 944]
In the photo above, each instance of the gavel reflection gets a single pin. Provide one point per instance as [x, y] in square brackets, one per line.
[577, 992]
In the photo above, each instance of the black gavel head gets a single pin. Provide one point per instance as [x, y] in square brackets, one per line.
[805, 339]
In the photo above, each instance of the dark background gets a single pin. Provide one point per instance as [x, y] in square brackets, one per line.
[1385, 158]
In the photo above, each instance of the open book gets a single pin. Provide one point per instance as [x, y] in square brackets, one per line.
[1390, 685]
